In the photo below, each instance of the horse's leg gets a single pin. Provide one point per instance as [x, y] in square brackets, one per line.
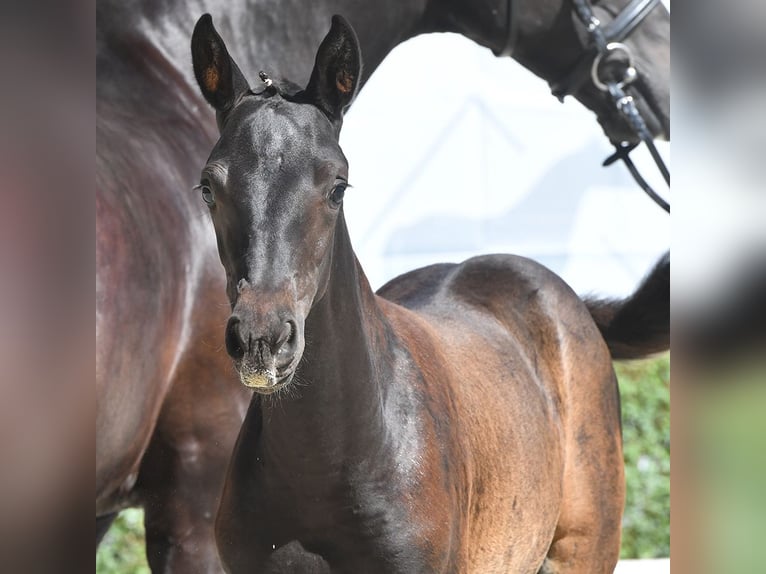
[184, 467]
[102, 525]
[587, 536]
[183, 471]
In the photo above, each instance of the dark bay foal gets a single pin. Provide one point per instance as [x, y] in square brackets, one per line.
[464, 419]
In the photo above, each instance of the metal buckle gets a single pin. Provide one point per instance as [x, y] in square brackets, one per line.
[630, 71]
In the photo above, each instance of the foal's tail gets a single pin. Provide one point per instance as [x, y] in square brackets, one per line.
[638, 325]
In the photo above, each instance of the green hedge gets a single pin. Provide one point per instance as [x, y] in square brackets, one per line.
[646, 437]
[645, 394]
[122, 549]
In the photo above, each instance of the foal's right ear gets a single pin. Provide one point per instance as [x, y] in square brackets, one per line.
[219, 78]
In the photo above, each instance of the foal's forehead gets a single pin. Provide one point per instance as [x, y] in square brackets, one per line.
[275, 127]
[269, 144]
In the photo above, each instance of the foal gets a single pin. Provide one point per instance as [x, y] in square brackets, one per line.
[464, 419]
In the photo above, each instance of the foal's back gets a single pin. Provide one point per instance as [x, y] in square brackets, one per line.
[526, 381]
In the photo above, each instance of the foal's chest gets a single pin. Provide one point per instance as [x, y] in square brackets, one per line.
[355, 526]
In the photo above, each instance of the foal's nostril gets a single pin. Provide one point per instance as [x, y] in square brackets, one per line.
[235, 346]
[286, 337]
[293, 333]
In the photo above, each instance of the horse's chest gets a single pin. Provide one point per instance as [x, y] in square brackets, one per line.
[354, 527]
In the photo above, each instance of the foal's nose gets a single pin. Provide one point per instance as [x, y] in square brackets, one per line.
[271, 345]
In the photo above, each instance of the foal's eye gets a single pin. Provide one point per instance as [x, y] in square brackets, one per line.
[336, 195]
[207, 194]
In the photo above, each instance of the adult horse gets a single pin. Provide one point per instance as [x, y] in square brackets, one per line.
[465, 419]
[168, 409]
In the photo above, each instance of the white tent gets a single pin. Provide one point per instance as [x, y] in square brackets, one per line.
[454, 152]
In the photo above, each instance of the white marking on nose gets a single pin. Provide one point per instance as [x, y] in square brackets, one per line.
[259, 380]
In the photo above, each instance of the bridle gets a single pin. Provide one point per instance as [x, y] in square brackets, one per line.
[605, 40]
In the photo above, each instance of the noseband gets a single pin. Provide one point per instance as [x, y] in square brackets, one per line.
[606, 41]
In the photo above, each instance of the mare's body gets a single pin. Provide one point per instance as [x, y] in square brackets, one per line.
[168, 404]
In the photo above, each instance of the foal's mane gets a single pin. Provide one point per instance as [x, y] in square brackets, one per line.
[284, 88]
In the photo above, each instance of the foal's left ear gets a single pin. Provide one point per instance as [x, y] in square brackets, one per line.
[337, 69]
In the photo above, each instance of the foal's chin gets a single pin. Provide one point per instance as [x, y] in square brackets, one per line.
[264, 382]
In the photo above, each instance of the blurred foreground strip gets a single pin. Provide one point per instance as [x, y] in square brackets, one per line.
[725, 470]
[661, 566]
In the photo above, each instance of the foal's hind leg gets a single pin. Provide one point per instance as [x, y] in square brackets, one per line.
[587, 536]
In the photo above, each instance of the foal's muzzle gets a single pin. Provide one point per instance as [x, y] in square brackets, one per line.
[265, 349]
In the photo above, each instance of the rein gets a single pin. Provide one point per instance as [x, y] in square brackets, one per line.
[605, 41]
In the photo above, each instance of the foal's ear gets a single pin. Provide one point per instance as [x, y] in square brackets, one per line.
[219, 78]
[337, 69]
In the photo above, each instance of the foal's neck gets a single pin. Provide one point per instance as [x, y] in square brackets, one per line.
[333, 412]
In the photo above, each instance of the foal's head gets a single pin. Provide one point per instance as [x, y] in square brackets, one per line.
[274, 184]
